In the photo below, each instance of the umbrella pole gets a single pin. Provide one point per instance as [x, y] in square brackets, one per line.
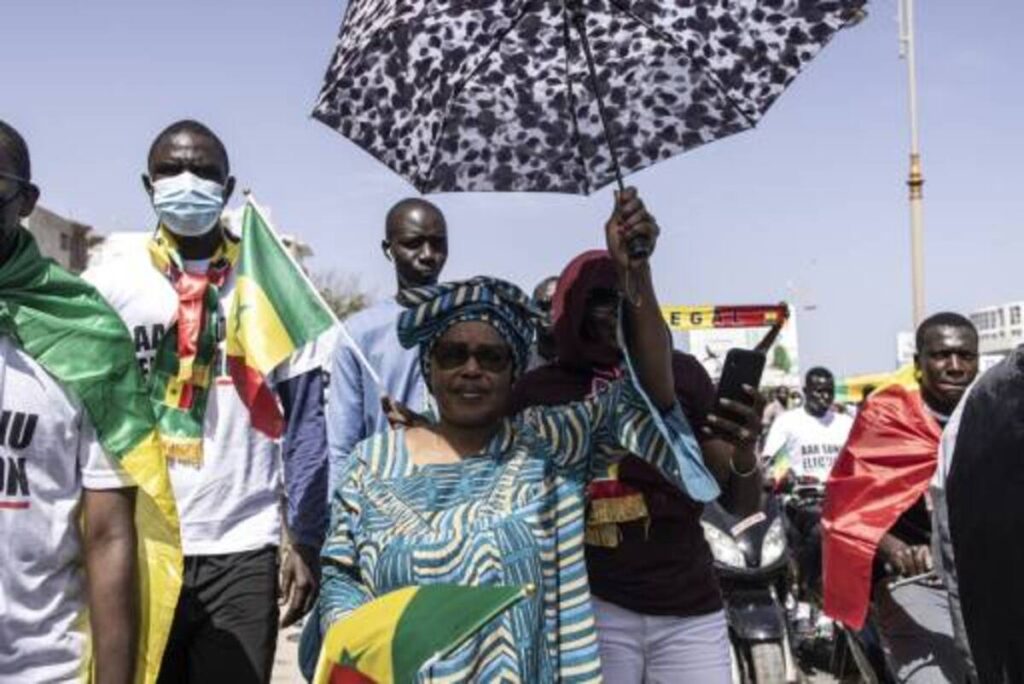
[580, 21]
[639, 247]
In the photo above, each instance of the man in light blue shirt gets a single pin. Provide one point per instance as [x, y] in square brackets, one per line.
[416, 242]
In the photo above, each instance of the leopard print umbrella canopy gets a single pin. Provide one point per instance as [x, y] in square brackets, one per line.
[495, 94]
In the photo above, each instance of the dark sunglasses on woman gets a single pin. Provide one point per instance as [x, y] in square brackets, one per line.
[493, 358]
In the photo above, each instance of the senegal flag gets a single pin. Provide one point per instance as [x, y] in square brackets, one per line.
[781, 464]
[69, 330]
[275, 312]
[391, 638]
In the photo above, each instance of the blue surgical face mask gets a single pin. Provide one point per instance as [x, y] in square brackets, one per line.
[188, 205]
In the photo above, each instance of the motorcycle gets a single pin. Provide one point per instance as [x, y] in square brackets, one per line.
[752, 561]
[819, 642]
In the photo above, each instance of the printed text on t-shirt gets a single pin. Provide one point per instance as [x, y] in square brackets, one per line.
[16, 432]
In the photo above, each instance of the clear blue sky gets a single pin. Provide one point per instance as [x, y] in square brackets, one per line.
[813, 201]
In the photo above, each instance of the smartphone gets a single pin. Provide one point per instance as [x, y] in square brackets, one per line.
[742, 367]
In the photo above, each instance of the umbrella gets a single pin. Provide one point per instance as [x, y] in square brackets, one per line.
[560, 95]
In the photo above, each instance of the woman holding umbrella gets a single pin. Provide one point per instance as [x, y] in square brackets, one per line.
[478, 498]
[657, 604]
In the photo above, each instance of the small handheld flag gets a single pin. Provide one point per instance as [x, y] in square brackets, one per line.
[395, 636]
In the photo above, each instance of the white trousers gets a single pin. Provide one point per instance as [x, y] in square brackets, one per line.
[651, 649]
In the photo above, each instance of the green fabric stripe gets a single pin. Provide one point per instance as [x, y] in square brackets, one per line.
[70, 330]
[439, 618]
[264, 260]
[185, 422]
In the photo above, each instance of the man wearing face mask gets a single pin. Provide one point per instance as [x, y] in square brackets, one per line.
[226, 471]
[416, 242]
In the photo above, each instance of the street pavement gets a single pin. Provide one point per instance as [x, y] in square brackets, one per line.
[286, 660]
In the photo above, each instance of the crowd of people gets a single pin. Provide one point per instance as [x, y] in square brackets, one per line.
[467, 433]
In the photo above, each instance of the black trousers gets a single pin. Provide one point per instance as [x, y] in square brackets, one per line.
[225, 625]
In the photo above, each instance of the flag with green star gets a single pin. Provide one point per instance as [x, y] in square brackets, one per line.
[391, 638]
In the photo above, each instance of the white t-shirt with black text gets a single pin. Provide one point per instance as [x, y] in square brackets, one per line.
[231, 503]
[49, 455]
[811, 444]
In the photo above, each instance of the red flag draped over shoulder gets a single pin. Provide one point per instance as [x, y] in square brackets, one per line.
[884, 469]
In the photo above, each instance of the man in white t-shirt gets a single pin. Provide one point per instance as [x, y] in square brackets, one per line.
[66, 590]
[804, 443]
[229, 498]
[810, 437]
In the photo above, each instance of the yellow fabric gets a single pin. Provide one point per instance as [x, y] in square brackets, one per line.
[852, 388]
[255, 331]
[159, 553]
[366, 635]
[163, 252]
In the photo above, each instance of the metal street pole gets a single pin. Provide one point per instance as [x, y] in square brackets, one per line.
[915, 181]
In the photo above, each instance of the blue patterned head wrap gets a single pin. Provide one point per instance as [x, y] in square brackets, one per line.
[432, 310]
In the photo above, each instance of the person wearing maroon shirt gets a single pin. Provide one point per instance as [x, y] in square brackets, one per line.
[656, 598]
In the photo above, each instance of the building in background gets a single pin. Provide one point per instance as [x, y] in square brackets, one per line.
[62, 239]
[906, 347]
[1000, 331]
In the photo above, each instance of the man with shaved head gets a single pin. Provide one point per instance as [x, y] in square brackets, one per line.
[68, 570]
[543, 295]
[225, 464]
[416, 243]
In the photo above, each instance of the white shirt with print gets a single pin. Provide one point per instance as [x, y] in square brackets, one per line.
[49, 454]
[232, 502]
[812, 444]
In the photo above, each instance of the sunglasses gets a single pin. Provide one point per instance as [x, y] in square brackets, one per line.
[11, 186]
[493, 358]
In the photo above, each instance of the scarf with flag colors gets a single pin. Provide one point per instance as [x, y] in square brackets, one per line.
[274, 311]
[68, 328]
[397, 635]
[183, 369]
[885, 467]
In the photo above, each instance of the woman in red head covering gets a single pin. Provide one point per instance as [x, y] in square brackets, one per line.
[656, 598]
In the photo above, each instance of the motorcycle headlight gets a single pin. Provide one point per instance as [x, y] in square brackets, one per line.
[774, 544]
[723, 547]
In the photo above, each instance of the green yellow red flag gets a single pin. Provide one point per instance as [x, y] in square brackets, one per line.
[276, 310]
[69, 329]
[394, 636]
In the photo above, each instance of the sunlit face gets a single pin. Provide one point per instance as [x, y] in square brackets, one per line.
[471, 375]
[192, 152]
[418, 245]
[948, 363]
[819, 393]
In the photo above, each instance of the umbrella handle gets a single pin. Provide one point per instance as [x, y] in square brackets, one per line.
[639, 246]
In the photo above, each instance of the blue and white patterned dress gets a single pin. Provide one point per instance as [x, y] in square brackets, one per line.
[512, 515]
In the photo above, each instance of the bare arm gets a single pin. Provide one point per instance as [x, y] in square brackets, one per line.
[646, 334]
[729, 451]
[111, 569]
